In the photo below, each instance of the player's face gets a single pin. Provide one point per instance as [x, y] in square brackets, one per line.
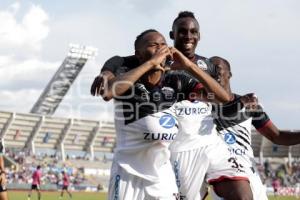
[186, 36]
[152, 42]
[223, 73]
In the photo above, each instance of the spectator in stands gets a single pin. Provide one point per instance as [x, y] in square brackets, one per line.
[36, 182]
[46, 137]
[104, 141]
[76, 139]
[18, 133]
[3, 192]
[100, 187]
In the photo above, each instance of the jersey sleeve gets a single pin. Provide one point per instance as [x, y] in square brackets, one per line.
[259, 118]
[113, 64]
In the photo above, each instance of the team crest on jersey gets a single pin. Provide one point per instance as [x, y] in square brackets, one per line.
[202, 65]
[229, 138]
[167, 121]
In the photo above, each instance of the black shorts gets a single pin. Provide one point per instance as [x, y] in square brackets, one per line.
[65, 187]
[34, 187]
[2, 189]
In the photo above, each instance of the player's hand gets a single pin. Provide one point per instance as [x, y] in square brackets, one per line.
[3, 180]
[180, 61]
[250, 101]
[158, 60]
[98, 86]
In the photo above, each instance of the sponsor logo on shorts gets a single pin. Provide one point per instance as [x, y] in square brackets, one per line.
[159, 136]
[167, 121]
[238, 152]
[117, 187]
[229, 138]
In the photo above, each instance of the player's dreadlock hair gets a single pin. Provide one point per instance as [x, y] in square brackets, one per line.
[183, 14]
[140, 37]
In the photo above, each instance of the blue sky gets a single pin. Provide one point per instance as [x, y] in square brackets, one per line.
[261, 39]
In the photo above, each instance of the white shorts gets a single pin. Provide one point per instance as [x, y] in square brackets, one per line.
[125, 186]
[211, 163]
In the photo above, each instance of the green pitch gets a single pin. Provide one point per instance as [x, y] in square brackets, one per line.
[20, 195]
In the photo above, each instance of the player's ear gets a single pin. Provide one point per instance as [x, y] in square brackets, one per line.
[171, 34]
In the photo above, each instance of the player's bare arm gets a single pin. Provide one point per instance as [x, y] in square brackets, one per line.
[2, 172]
[280, 137]
[98, 85]
[116, 86]
[212, 86]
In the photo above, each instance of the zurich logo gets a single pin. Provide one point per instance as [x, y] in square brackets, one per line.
[229, 138]
[167, 121]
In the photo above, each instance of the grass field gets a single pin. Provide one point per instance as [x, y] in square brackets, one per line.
[20, 195]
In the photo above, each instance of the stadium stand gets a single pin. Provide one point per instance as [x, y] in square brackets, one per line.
[32, 131]
[85, 148]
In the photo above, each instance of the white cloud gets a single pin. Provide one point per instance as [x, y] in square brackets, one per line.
[29, 73]
[29, 31]
[18, 101]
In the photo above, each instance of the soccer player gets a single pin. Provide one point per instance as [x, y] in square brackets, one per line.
[236, 130]
[36, 182]
[186, 34]
[66, 183]
[3, 190]
[196, 149]
[143, 93]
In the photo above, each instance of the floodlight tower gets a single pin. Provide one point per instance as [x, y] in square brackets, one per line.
[62, 80]
[58, 87]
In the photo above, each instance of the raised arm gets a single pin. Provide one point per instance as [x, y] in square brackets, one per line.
[110, 86]
[183, 63]
[279, 137]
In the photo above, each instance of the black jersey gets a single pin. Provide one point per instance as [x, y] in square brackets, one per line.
[236, 128]
[140, 101]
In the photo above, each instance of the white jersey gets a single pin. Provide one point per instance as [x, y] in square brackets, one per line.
[195, 124]
[236, 131]
[142, 145]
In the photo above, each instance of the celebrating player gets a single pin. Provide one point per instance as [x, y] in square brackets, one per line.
[144, 126]
[198, 153]
[236, 131]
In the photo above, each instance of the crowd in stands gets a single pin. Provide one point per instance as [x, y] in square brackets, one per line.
[50, 165]
[272, 173]
[287, 174]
